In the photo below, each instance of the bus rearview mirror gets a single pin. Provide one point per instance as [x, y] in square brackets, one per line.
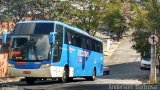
[52, 37]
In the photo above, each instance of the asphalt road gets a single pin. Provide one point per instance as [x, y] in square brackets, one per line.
[125, 75]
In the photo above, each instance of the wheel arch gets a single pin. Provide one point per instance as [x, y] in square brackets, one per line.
[95, 70]
[66, 67]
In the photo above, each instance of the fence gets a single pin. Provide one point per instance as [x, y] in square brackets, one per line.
[3, 65]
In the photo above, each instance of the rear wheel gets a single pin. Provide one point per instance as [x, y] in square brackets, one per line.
[108, 72]
[142, 68]
[30, 80]
[93, 77]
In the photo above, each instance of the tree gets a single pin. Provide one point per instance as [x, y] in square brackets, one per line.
[140, 23]
[88, 14]
[114, 19]
[145, 21]
[35, 9]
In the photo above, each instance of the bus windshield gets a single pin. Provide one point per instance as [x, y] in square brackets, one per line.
[30, 48]
[33, 28]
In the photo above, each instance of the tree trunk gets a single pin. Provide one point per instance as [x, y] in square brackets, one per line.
[118, 36]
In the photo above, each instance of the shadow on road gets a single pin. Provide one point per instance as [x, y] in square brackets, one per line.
[129, 70]
[39, 83]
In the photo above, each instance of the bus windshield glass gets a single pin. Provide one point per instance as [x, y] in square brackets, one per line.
[32, 48]
[33, 28]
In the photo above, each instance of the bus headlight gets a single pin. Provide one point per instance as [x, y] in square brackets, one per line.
[10, 65]
[45, 65]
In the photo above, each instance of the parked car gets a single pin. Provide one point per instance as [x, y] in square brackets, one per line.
[145, 63]
[113, 36]
[106, 70]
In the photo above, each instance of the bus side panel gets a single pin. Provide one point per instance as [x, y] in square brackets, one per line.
[94, 60]
[88, 64]
[99, 64]
[74, 60]
[63, 61]
[81, 62]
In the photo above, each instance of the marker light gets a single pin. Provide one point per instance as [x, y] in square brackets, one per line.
[10, 65]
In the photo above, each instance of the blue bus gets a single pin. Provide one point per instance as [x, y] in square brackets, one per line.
[52, 49]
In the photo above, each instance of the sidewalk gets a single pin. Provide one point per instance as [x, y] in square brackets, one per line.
[109, 53]
[9, 79]
[4, 77]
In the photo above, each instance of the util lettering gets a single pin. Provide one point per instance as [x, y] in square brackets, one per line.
[83, 53]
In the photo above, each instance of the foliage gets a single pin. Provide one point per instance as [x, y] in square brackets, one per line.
[114, 19]
[116, 16]
[88, 15]
[34, 9]
[145, 22]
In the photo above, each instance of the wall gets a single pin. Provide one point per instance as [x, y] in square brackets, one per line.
[3, 65]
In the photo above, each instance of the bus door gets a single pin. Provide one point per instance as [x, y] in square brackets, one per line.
[57, 49]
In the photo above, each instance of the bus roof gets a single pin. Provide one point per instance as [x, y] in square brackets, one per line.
[57, 22]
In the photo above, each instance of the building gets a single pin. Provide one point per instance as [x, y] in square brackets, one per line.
[6, 26]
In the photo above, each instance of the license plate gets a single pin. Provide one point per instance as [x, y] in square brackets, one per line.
[20, 63]
[26, 72]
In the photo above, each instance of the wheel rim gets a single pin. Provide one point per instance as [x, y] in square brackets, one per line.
[93, 75]
[64, 77]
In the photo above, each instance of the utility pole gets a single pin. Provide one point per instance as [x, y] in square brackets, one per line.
[153, 72]
[153, 40]
[153, 77]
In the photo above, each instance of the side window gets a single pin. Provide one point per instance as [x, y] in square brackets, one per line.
[98, 47]
[84, 42]
[58, 43]
[73, 38]
[93, 45]
[67, 36]
[101, 47]
[76, 39]
[88, 44]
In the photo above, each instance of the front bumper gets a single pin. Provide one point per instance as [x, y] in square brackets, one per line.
[106, 70]
[145, 66]
[41, 72]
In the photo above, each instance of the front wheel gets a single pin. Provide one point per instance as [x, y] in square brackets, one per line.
[30, 80]
[64, 77]
[70, 79]
[93, 77]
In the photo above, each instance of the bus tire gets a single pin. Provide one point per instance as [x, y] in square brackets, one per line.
[93, 77]
[64, 78]
[70, 79]
[30, 80]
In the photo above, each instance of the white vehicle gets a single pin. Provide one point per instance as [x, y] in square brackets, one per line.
[106, 70]
[145, 63]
